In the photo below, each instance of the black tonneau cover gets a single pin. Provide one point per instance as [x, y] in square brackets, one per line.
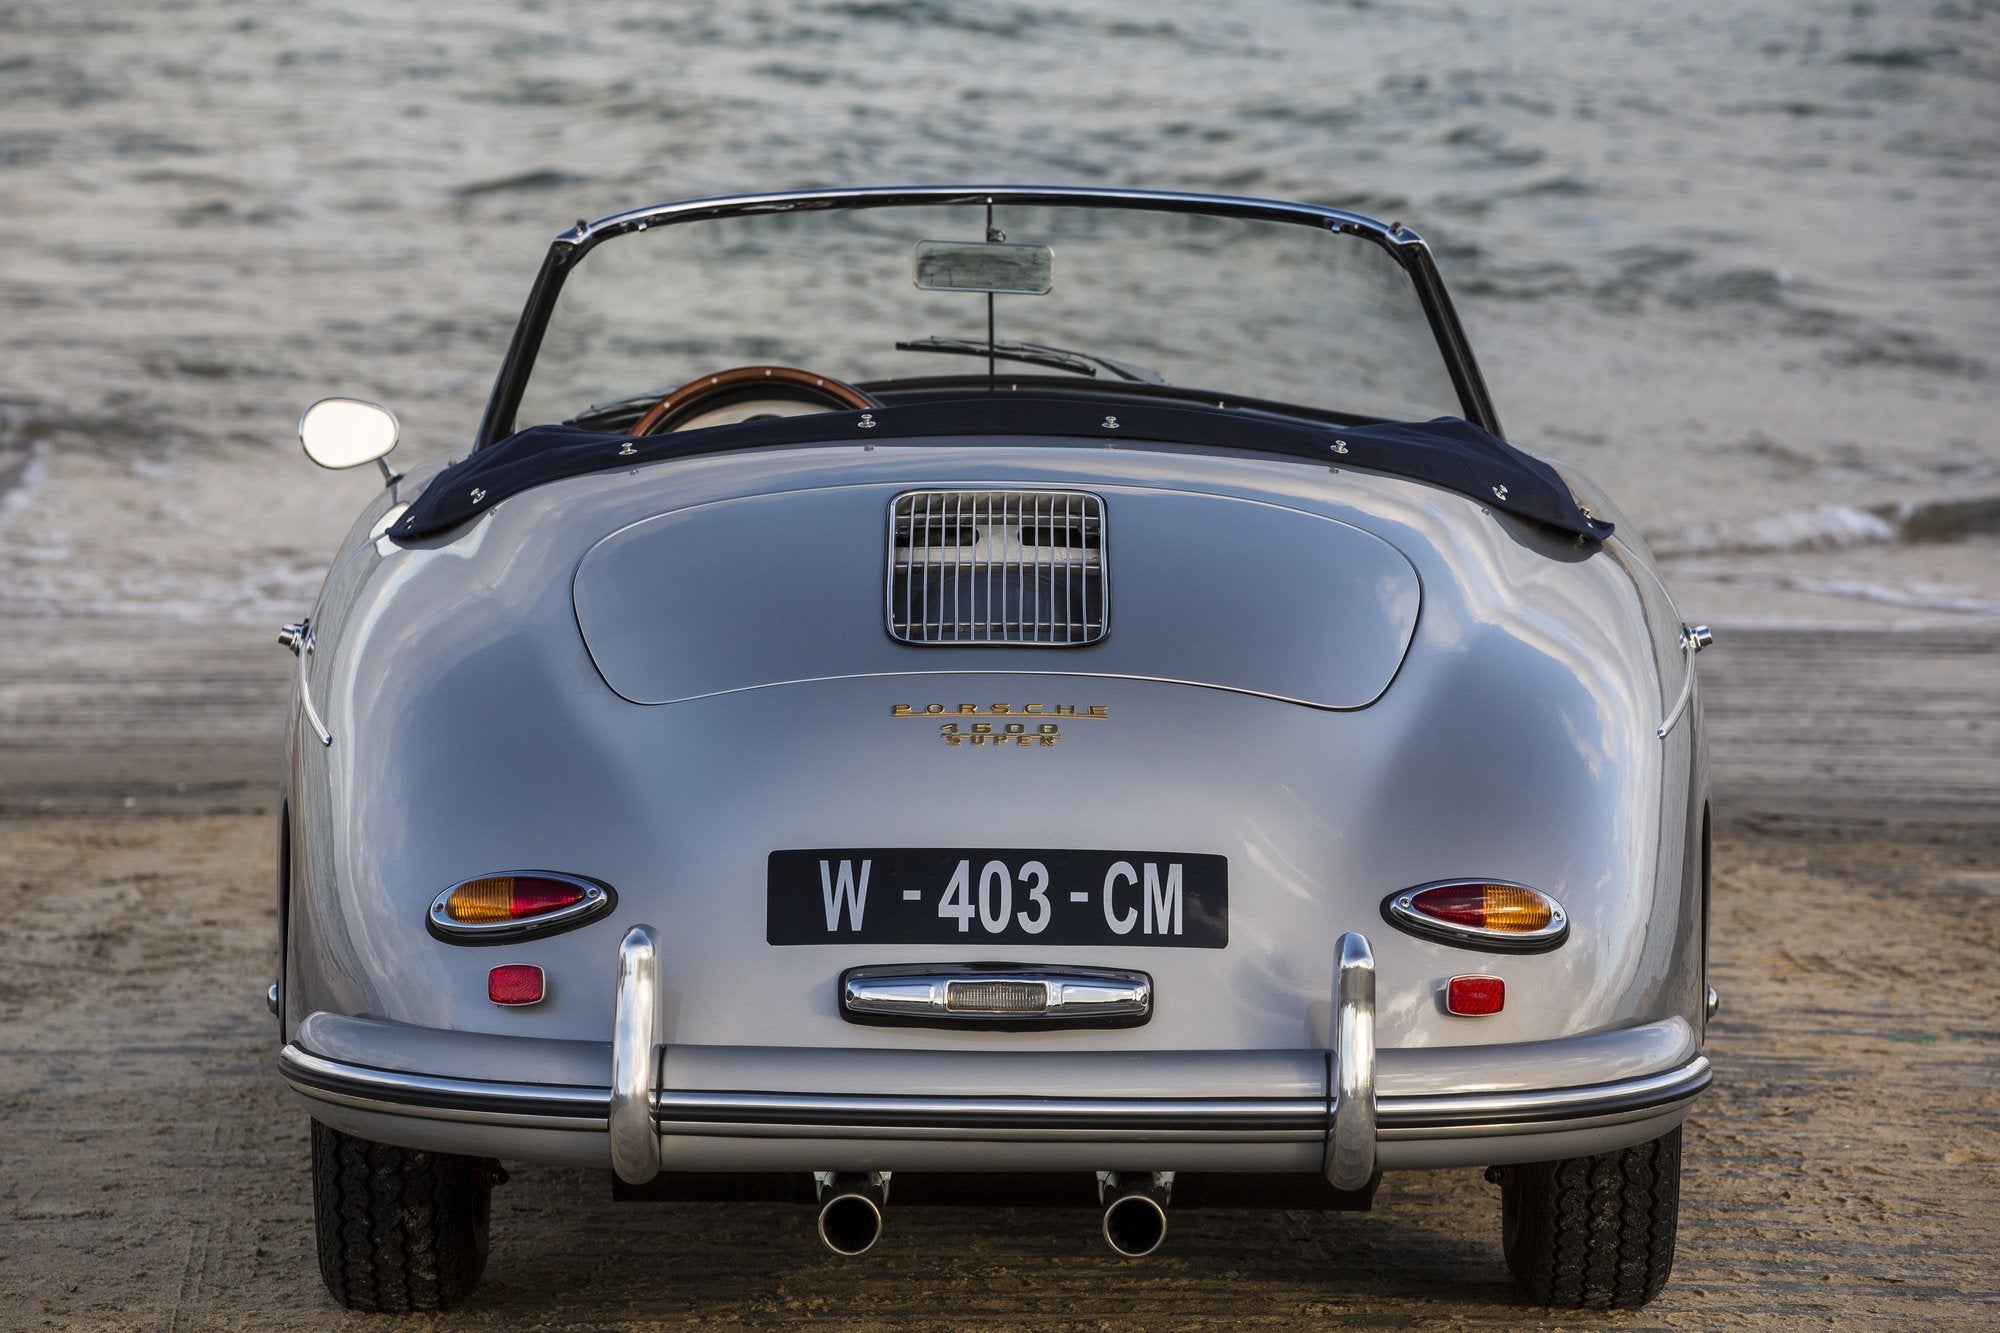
[1447, 452]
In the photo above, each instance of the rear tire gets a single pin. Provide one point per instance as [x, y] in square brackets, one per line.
[1594, 1233]
[398, 1229]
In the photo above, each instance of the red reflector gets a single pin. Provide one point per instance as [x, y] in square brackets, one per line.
[514, 983]
[1475, 995]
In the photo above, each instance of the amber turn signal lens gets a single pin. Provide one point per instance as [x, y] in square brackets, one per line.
[1504, 907]
[509, 898]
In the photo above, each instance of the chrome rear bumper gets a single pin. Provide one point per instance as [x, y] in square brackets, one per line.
[1365, 1110]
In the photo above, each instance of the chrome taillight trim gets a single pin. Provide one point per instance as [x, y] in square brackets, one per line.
[1399, 910]
[967, 544]
[597, 899]
[947, 995]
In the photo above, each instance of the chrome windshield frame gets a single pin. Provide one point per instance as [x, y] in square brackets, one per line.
[571, 245]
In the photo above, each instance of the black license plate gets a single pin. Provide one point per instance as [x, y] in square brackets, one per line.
[985, 896]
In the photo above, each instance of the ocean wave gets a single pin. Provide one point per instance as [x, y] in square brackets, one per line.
[1913, 597]
[1839, 527]
[22, 474]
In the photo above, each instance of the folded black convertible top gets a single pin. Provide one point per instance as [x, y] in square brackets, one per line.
[1447, 452]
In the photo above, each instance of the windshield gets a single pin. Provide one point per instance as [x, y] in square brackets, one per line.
[1223, 308]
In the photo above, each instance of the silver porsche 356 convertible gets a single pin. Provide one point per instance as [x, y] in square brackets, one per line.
[1032, 694]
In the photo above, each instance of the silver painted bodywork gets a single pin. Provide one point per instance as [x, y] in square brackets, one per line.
[1346, 683]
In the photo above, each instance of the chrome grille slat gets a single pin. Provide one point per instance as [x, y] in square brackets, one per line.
[996, 567]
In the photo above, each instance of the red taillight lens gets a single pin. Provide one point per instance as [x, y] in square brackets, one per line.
[1507, 907]
[479, 902]
[1475, 995]
[515, 983]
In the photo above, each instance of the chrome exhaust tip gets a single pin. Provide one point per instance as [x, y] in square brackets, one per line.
[1135, 1215]
[850, 1212]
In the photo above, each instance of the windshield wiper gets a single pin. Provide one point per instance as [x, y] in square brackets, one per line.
[1035, 354]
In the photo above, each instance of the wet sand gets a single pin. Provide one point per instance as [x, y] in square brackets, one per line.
[1844, 1172]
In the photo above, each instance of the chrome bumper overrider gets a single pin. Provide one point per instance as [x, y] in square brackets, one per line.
[635, 1111]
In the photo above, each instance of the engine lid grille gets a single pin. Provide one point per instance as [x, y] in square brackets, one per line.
[999, 567]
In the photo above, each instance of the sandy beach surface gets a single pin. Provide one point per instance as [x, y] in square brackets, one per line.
[1844, 1172]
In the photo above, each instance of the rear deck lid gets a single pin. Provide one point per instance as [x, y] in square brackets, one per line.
[859, 581]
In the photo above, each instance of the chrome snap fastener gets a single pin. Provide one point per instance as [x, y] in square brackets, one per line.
[477, 495]
[1340, 446]
[1499, 492]
[867, 421]
[1110, 423]
[627, 449]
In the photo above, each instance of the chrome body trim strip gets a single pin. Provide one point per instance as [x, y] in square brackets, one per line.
[635, 1063]
[901, 1116]
[1550, 1107]
[1350, 1140]
[1693, 640]
[548, 1105]
[304, 649]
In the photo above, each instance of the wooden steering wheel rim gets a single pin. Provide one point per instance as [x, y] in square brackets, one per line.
[790, 381]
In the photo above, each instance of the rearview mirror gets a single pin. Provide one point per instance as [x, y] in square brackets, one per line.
[985, 266]
[347, 432]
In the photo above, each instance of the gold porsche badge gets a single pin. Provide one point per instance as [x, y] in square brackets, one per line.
[998, 726]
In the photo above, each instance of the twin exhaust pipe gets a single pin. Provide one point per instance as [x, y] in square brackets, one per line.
[1135, 1210]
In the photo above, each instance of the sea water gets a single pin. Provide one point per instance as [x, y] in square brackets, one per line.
[1735, 262]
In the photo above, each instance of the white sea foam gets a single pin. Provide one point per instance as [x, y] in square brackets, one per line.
[1838, 527]
[33, 477]
[1825, 528]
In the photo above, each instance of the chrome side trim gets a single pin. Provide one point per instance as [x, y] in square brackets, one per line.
[984, 994]
[635, 1145]
[304, 648]
[1694, 638]
[539, 1105]
[1350, 1141]
[1550, 1108]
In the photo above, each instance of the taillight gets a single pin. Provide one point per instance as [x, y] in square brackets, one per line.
[496, 907]
[1481, 914]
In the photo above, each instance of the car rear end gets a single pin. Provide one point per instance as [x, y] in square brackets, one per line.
[931, 848]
